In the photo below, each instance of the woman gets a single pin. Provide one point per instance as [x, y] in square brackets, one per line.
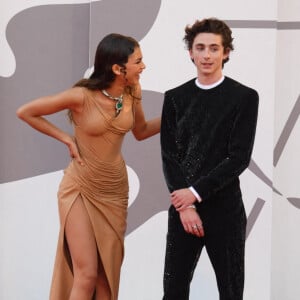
[93, 193]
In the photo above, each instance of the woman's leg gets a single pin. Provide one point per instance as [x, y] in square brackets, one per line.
[102, 286]
[83, 250]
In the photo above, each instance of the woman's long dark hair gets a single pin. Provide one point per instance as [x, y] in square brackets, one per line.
[112, 49]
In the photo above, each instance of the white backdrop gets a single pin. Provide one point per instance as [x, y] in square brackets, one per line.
[266, 38]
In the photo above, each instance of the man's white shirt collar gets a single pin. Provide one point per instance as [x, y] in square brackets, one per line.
[209, 86]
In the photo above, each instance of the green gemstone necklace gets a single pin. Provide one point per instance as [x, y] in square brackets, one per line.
[119, 100]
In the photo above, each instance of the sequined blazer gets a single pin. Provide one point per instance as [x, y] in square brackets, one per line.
[207, 139]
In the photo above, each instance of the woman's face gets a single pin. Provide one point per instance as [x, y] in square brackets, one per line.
[134, 67]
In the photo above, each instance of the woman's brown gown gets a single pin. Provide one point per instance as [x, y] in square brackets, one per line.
[102, 184]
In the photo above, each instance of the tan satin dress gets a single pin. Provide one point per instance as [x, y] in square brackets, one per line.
[102, 184]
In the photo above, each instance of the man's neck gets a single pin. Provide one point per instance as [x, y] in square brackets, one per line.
[208, 79]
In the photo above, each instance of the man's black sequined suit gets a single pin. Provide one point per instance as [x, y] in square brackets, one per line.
[207, 138]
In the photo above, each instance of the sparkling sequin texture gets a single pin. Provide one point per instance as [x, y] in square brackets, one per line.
[207, 138]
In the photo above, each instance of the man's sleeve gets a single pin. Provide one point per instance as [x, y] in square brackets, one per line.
[239, 149]
[170, 153]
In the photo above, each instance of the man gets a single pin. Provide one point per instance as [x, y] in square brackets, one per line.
[207, 135]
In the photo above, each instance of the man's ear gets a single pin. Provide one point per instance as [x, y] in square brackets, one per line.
[226, 53]
[191, 55]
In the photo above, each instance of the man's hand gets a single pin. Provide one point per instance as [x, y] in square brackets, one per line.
[191, 222]
[182, 198]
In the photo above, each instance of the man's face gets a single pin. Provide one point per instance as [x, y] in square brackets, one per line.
[208, 54]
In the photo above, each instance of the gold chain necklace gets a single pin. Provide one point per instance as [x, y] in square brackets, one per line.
[119, 100]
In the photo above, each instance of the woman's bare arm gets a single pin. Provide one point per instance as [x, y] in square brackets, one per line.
[33, 114]
[144, 129]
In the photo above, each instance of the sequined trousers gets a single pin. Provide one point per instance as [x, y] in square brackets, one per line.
[225, 246]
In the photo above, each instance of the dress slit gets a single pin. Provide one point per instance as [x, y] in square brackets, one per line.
[107, 212]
